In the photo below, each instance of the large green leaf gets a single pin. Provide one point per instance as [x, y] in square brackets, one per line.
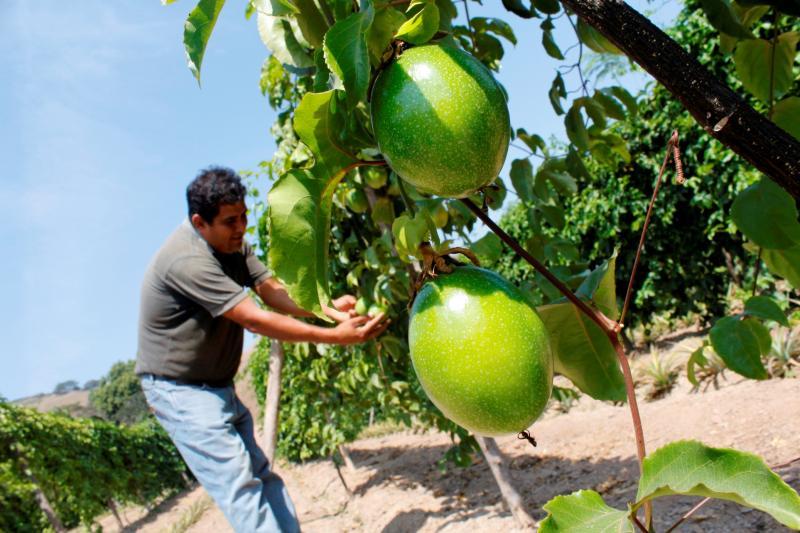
[197, 30]
[318, 128]
[786, 114]
[752, 60]
[299, 231]
[581, 512]
[721, 15]
[767, 215]
[784, 263]
[691, 468]
[582, 352]
[346, 52]
[423, 24]
[300, 206]
[765, 308]
[276, 33]
[381, 32]
[741, 342]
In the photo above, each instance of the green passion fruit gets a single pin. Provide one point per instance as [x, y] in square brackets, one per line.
[441, 120]
[480, 351]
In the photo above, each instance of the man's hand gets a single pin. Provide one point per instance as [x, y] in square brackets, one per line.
[360, 329]
[343, 308]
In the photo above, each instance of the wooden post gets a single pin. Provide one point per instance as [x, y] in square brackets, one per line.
[272, 402]
[501, 475]
[348, 461]
[113, 506]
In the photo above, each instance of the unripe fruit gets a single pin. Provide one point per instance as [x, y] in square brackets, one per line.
[441, 120]
[383, 211]
[357, 200]
[439, 215]
[361, 306]
[480, 351]
[375, 310]
[374, 177]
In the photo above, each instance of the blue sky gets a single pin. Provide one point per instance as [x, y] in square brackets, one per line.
[101, 128]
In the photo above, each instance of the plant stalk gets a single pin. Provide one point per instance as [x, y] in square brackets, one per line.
[608, 326]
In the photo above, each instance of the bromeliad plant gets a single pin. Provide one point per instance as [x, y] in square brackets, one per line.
[345, 170]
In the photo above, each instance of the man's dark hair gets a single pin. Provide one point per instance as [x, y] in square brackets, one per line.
[211, 188]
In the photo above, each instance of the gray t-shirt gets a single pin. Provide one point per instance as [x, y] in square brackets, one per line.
[186, 289]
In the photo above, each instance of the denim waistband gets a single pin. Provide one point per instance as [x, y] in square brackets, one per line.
[215, 384]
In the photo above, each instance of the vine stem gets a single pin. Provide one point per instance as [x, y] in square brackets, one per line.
[609, 327]
[672, 150]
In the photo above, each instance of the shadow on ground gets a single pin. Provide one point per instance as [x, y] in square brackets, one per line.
[465, 493]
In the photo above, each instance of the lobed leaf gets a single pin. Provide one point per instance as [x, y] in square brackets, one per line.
[692, 468]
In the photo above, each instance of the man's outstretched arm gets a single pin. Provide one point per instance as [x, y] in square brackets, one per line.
[274, 294]
[284, 328]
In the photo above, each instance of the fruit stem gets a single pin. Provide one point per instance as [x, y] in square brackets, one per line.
[605, 323]
[610, 327]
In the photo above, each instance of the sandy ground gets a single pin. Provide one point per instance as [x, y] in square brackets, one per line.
[397, 487]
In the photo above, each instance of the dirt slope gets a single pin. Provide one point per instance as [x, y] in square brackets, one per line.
[397, 486]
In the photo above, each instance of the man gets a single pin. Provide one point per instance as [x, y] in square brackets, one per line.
[194, 306]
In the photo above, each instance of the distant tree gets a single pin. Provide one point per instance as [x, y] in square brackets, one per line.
[66, 386]
[91, 384]
[119, 395]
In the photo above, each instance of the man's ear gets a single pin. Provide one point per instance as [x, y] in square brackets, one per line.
[198, 221]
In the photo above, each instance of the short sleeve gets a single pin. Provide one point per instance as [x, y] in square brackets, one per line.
[203, 281]
[258, 271]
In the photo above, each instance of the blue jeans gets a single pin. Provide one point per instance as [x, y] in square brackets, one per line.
[213, 431]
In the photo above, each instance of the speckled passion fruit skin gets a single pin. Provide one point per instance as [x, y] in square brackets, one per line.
[480, 351]
[441, 120]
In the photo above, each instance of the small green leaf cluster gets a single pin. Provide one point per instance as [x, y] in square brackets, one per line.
[119, 396]
[80, 465]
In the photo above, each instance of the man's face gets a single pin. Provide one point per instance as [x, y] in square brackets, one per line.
[226, 232]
